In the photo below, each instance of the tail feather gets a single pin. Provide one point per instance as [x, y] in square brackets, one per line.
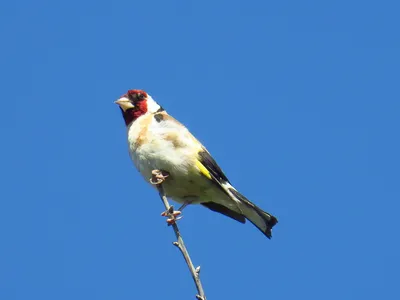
[225, 211]
[261, 219]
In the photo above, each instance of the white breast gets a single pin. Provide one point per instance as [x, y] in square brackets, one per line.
[165, 145]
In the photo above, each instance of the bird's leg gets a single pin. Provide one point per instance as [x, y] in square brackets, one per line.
[157, 178]
[175, 213]
[172, 215]
[178, 212]
[186, 203]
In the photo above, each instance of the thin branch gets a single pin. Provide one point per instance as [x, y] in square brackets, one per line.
[157, 179]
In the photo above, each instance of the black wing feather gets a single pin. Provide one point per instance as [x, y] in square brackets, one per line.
[218, 177]
[212, 166]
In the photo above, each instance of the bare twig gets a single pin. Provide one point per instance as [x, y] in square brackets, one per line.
[157, 179]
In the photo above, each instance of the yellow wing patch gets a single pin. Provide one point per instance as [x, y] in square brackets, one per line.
[203, 170]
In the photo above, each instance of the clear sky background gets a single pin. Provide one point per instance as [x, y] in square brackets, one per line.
[298, 101]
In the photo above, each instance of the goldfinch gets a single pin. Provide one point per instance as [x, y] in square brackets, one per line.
[157, 141]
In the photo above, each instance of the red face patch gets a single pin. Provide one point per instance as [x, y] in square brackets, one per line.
[139, 100]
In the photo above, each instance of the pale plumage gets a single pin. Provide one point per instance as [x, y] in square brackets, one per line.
[159, 142]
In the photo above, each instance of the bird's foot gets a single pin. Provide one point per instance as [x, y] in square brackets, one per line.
[172, 215]
[158, 176]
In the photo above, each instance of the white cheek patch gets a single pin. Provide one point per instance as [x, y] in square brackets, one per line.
[152, 105]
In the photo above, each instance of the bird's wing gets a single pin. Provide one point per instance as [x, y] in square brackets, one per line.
[211, 166]
[245, 209]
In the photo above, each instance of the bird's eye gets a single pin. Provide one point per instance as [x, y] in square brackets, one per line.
[140, 96]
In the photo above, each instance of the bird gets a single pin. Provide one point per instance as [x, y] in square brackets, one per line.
[157, 141]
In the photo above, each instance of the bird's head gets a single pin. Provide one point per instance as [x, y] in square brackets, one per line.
[136, 103]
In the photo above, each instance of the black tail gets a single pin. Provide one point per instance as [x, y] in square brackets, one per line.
[261, 219]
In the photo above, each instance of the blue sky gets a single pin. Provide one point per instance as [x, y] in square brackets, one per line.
[298, 101]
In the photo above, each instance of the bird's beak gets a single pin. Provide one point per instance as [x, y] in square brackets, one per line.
[124, 103]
